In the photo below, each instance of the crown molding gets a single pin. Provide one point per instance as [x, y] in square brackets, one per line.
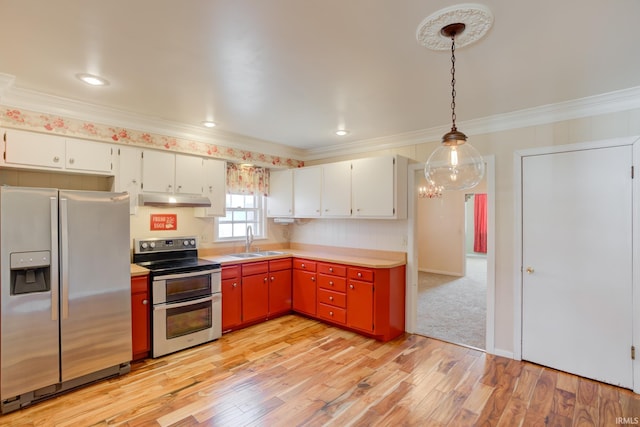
[50, 104]
[611, 102]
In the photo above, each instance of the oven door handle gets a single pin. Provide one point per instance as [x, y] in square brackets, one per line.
[183, 275]
[169, 305]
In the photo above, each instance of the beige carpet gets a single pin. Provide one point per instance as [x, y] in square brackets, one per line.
[453, 309]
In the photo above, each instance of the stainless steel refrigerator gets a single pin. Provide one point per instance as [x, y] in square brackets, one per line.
[65, 301]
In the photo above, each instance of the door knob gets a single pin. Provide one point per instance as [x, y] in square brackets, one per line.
[530, 270]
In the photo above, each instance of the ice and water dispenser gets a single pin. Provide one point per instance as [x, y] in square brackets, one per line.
[30, 272]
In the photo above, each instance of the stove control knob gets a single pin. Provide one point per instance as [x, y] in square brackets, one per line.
[143, 245]
[152, 245]
[192, 242]
[186, 243]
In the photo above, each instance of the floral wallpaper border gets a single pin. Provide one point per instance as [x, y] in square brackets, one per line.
[41, 122]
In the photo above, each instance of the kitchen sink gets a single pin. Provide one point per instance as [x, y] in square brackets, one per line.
[255, 254]
[246, 255]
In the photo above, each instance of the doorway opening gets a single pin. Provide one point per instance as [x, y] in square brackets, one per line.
[451, 278]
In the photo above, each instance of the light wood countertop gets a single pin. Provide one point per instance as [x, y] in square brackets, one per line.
[136, 270]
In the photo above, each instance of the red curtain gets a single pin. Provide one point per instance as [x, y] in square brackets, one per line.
[480, 223]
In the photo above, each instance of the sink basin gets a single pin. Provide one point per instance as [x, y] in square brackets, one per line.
[246, 255]
[255, 254]
[269, 253]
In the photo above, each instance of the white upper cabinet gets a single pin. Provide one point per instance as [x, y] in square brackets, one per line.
[336, 189]
[189, 176]
[307, 192]
[280, 199]
[158, 171]
[128, 175]
[215, 188]
[50, 152]
[164, 172]
[379, 187]
[89, 156]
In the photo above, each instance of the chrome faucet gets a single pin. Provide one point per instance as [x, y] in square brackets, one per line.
[249, 241]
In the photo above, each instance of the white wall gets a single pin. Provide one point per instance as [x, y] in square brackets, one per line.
[502, 145]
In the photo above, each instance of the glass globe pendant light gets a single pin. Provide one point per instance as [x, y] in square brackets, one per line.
[455, 164]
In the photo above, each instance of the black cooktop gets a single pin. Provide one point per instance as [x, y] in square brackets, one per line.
[175, 266]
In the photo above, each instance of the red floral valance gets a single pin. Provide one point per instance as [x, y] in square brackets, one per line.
[243, 179]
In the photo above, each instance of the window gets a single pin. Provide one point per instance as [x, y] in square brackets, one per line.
[243, 210]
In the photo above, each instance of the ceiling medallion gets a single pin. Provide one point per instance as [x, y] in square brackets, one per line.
[476, 18]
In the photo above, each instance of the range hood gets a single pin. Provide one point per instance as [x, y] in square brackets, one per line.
[173, 200]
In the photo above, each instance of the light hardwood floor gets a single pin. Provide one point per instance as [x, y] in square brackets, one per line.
[296, 371]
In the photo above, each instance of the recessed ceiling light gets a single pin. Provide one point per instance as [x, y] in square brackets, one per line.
[92, 80]
[342, 132]
[208, 124]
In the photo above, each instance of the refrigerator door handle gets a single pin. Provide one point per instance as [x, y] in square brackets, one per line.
[54, 258]
[64, 255]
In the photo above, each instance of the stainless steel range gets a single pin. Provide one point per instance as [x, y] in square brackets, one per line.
[185, 290]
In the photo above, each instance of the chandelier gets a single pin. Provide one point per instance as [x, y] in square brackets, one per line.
[455, 164]
[431, 191]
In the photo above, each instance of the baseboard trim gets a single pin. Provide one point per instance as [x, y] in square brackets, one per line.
[503, 353]
[446, 273]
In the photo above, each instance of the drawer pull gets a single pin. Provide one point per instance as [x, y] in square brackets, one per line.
[145, 302]
[359, 274]
[330, 298]
[330, 282]
[331, 313]
[331, 269]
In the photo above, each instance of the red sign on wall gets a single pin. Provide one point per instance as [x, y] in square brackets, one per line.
[163, 222]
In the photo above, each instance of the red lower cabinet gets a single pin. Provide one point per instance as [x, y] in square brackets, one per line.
[231, 297]
[255, 297]
[279, 290]
[304, 286]
[140, 317]
[360, 305]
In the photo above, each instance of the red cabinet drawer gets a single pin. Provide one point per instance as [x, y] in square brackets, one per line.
[338, 299]
[363, 274]
[139, 284]
[280, 264]
[334, 269]
[230, 272]
[255, 268]
[334, 314]
[331, 282]
[304, 264]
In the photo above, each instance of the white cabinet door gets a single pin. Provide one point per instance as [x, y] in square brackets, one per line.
[158, 171]
[34, 149]
[129, 174]
[89, 156]
[215, 188]
[307, 191]
[336, 189]
[373, 183]
[280, 199]
[188, 174]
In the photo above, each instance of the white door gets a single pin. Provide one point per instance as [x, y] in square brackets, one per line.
[577, 262]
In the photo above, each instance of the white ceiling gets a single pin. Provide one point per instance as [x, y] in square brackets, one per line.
[292, 72]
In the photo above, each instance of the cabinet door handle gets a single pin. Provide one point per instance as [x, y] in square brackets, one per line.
[234, 285]
[351, 286]
[313, 279]
[273, 278]
[56, 159]
[265, 280]
[71, 161]
[145, 302]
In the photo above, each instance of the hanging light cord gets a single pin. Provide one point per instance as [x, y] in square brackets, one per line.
[453, 82]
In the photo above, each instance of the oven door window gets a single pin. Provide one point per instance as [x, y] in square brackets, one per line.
[188, 319]
[188, 287]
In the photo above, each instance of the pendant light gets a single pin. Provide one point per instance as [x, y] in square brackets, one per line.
[455, 164]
